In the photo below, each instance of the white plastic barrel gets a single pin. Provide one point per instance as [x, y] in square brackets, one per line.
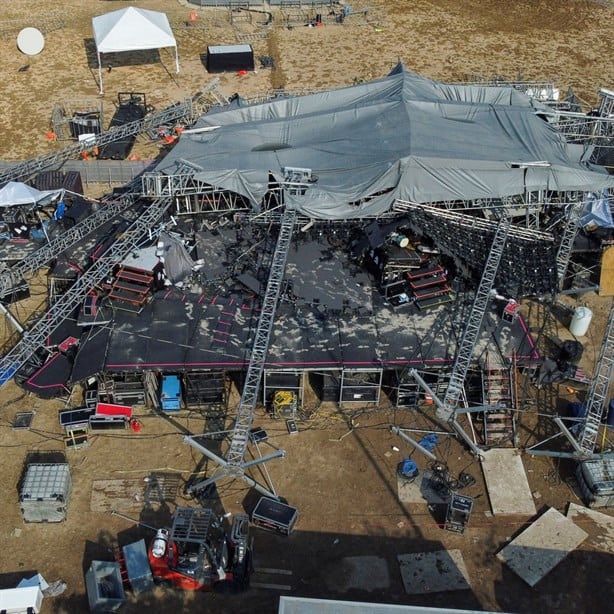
[580, 321]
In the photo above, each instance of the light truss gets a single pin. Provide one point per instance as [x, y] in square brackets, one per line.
[28, 168]
[234, 464]
[109, 207]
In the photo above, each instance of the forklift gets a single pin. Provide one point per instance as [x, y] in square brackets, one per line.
[197, 553]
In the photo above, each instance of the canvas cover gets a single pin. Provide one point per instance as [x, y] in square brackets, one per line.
[177, 262]
[131, 29]
[15, 193]
[400, 137]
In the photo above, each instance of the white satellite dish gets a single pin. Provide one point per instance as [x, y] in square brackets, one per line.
[30, 41]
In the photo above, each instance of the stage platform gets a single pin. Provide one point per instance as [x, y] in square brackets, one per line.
[330, 316]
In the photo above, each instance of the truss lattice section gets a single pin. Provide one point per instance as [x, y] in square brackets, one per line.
[158, 185]
[175, 113]
[35, 338]
[455, 387]
[469, 221]
[249, 396]
[598, 391]
[580, 128]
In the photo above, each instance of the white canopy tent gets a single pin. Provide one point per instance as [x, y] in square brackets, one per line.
[131, 29]
[15, 193]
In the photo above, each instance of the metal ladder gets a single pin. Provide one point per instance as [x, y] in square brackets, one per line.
[570, 231]
[498, 393]
[598, 391]
[110, 207]
[34, 338]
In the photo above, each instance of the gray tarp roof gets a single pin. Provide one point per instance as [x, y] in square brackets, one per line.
[402, 136]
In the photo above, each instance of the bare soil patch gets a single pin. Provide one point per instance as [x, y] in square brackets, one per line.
[340, 469]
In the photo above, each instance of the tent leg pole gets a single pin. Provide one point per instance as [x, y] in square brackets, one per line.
[101, 89]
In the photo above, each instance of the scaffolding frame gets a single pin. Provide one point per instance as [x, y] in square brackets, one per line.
[269, 386]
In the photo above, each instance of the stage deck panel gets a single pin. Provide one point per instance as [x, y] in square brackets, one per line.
[330, 316]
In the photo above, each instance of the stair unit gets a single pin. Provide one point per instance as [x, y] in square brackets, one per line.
[429, 285]
[131, 289]
[498, 424]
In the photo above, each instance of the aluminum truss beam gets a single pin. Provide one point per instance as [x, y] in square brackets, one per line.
[542, 90]
[454, 390]
[563, 255]
[179, 112]
[470, 221]
[160, 184]
[598, 391]
[34, 339]
[234, 465]
[110, 207]
[582, 128]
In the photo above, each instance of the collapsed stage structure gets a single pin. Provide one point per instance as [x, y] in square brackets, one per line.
[375, 237]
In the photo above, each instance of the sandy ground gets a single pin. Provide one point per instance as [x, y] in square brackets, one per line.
[566, 43]
[340, 469]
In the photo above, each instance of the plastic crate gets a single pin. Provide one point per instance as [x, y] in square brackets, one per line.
[45, 492]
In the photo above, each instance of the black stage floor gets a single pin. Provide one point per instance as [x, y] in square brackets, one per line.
[331, 315]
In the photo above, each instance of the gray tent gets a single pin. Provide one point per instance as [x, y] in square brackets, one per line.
[402, 136]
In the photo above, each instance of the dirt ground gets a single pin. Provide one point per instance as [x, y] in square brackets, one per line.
[340, 469]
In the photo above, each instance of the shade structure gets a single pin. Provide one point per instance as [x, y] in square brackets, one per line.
[131, 29]
[15, 193]
[405, 137]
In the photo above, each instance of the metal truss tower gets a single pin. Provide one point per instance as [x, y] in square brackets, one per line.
[447, 408]
[234, 465]
[598, 391]
[462, 362]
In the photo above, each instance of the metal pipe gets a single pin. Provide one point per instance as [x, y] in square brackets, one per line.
[204, 483]
[572, 440]
[11, 318]
[459, 429]
[263, 459]
[141, 524]
[211, 455]
[397, 431]
[260, 488]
